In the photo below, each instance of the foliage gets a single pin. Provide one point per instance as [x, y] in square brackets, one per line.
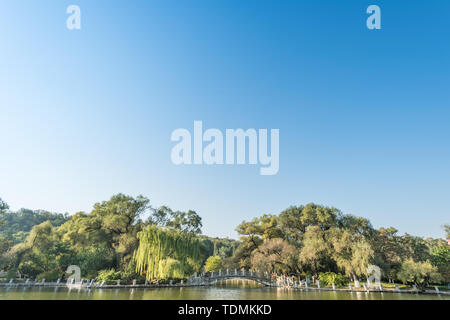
[328, 278]
[291, 224]
[388, 250]
[112, 225]
[188, 222]
[224, 248]
[213, 264]
[3, 208]
[5, 244]
[415, 248]
[108, 275]
[52, 275]
[167, 254]
[419, 273]
[113, 241]
[275, 255]
[352, 252]
[94, 259]
[440, 258]
[440, 255]
[320, 216]
[18, 224]
[243, 254]
[325, 238]
[314, 253]
[265, 227]
[12, 273]
[41, 252]
[447, 231]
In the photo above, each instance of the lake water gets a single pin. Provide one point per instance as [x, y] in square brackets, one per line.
[229, 290]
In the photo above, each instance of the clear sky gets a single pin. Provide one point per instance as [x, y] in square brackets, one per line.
[363, 114]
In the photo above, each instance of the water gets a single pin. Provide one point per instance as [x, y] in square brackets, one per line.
[228, 290]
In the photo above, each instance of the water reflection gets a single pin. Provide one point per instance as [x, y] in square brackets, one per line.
[238, 283]
[228, 290]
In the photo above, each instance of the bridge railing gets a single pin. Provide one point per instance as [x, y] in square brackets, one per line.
[235, 273]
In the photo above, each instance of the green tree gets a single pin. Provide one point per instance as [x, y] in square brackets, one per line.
[388, 251]
[291, 224]
[328, 278]
[164, 254]
[108, 276]
[5, 243]
[447, 231]
[188, 222]
[270, 228]
[243, 254]
[265, 227]
[415, 248]
[250, 238]
[320, 216]
[83, 231]
[94, 259]
[41, 253]
[17, 225]
[356, 225]
[315, 251]
[440, 258]
[213, 264]
[120, 214]
[112, 225]
[3, 208]
[275, 255]
[161, 216]
[352, 252]
[419, 273]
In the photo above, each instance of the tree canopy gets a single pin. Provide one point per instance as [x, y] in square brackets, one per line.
[164, 253]
[124, 237]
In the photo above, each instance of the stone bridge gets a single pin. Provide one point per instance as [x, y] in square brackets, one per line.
[210, 278]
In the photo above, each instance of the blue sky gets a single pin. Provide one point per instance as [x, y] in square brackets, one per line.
[363, 114]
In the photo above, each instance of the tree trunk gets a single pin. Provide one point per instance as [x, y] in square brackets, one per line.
[356, 281]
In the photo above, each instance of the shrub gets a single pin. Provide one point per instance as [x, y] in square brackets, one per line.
[94, 259]
[51, 276]
[128, 276]
[11, 274]
[419, 273]
[328, 278]
[108, 276]
[213, 264]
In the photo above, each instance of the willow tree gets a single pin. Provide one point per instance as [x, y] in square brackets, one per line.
[352, 252]
[164, 253]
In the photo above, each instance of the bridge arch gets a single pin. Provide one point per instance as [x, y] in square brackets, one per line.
[211, 278]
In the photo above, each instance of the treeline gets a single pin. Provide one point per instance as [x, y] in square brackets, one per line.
[15, 226]
[125, 238]
[102, 242]
[312, 240]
